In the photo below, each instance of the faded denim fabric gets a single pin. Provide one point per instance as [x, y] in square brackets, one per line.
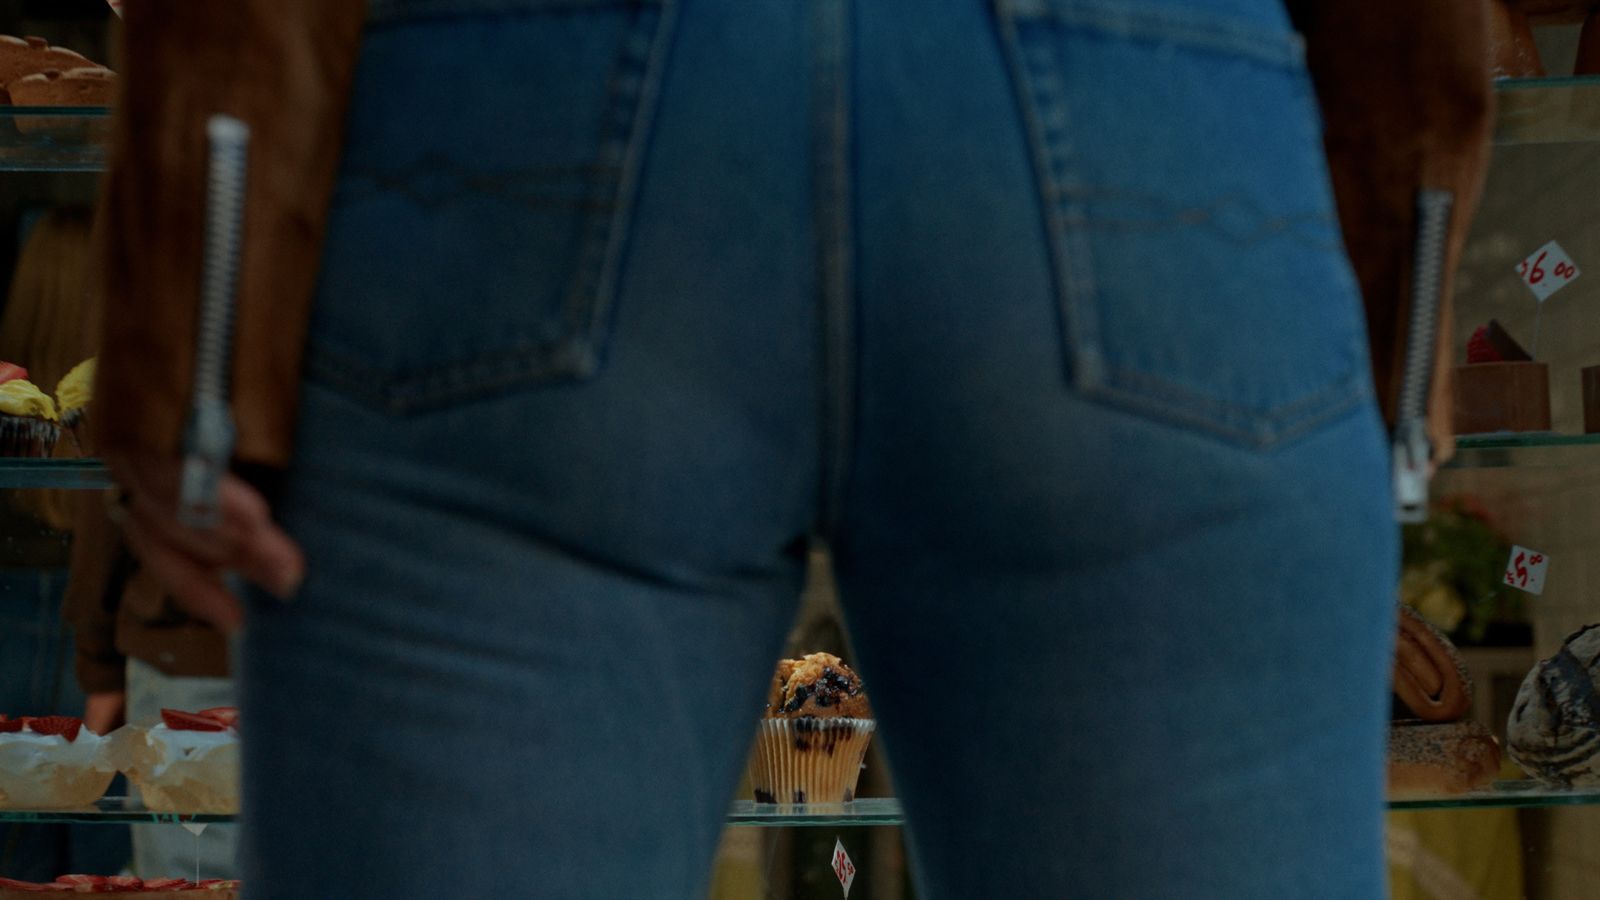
[1035, 312]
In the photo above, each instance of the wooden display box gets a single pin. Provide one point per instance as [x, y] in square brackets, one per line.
[1502, 396]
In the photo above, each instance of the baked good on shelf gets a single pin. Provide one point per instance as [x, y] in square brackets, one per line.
[188, 764]
[28, 421]
[73, 393]
[149, 889]
[1430, 678]
[1554, 728]
[814, 735]
[22, 56]
[84, 86]
[51, 762]
[1430, 759]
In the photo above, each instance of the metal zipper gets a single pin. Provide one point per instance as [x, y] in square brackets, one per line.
[1413, 451]
[208, 442]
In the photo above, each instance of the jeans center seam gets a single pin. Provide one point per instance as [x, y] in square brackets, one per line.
[835, 277]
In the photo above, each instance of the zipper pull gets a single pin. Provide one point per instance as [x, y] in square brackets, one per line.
[208, 442]
[1413, 454]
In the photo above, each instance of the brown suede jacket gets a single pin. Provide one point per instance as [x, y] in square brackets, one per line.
[1404, 85]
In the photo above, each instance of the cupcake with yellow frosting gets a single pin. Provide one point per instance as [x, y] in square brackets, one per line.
[28, 420]
[73, 393]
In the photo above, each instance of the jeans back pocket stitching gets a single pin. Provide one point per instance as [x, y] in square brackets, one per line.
[627, 118]
[1041, 99]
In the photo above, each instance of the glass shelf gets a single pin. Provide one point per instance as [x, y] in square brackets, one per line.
[110, 810]
[53, 139]
[79, 474]
[1509, 449]
[868, 811]
[1547, 110]
[1508, 794]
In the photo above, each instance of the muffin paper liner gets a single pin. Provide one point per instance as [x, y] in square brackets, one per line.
[809, 760]
[26, 436]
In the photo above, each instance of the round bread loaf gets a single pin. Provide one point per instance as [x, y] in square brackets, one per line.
[1554, 728]
[1430, 678]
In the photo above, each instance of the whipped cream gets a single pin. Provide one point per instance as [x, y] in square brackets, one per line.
[47, 770]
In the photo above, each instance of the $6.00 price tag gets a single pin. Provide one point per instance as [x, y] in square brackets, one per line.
[1525, 570]
[843, 867]
[1547, 270]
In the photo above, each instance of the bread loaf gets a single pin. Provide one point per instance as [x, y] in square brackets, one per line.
[1440, 759]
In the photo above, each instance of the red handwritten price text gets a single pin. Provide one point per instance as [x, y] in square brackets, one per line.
[1547, 270]
[843, 867]
[1526, 569]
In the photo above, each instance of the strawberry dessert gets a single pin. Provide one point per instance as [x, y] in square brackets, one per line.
[150, 889]
[189, 763]
[51, 762]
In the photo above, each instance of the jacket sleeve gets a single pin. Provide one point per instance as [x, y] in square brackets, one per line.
[94, 588]
[284, 67]
[1407, 103]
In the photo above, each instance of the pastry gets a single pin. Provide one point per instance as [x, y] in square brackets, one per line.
[814, 735]
[51, 762]
[1430, 678]
[27, 419]
[1554, 728]
[150, 889]
[1429, 759]
[84, 86]
[189, 763]
[20, 57]
[73, 393]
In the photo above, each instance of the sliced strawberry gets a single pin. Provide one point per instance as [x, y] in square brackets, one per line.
[227, 715]
[164, 884]
[66, 726]
[1479, 349]
[10, 725]
[11, 372]
[125, 882]
[178, 720]
[81, 879]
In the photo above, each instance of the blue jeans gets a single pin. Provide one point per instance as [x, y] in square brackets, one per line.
[1034, 310]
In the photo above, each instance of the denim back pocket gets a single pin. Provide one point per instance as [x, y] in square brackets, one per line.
[482, 208]
[1198, 262]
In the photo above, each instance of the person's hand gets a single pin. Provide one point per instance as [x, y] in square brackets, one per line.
[190, 562]
[105, 711]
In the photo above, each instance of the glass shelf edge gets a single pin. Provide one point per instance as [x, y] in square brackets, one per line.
[865, 812]
[72, 474]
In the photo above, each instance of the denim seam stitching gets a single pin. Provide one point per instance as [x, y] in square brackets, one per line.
[1069, 251]
[1151, 24]
[1045, 112]
[831, 213]
[632, 90]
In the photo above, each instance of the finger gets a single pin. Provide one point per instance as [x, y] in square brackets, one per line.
[264, 553]
[196, 586]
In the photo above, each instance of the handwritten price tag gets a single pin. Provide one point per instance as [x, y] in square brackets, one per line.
[1547, 270]
[1525, 570]
[843, 867]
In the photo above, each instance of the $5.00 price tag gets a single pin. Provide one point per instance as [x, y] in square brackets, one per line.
[1525, 570]
[843, 867]
[1547, 270]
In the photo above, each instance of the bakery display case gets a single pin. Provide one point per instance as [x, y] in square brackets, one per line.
[1526, 469]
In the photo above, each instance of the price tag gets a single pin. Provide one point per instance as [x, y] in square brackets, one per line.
[194, 828]
[843, 867]
[1525, 570]
[116, 7]
[1547, 270]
